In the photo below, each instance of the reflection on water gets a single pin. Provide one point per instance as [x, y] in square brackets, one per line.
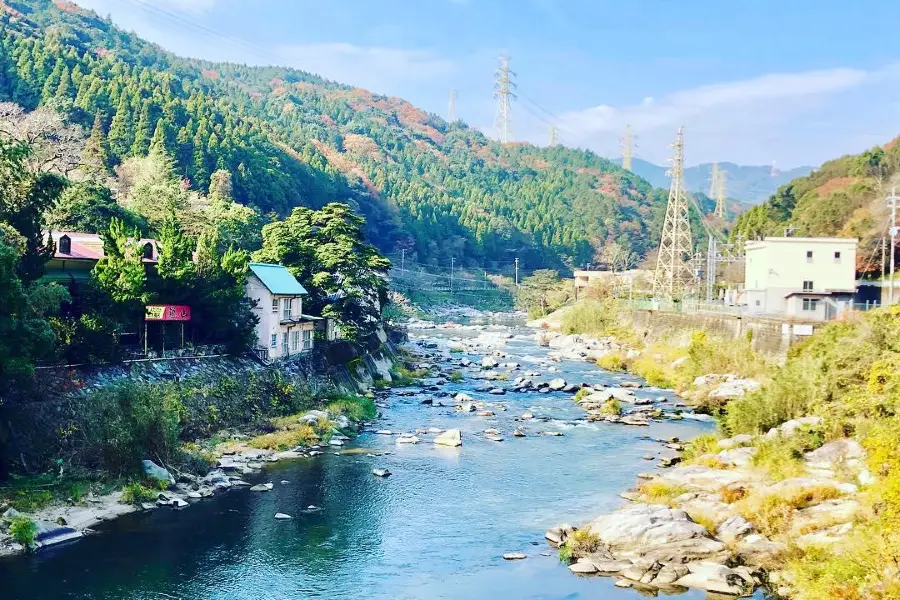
[435, 529]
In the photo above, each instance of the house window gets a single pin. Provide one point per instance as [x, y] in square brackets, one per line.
[274, 341]
[148, 251]
[808, 286]
[274, 306]
[307, 339]
[65, 245]
[837, 257]
[809, 256]
[286, 308]
[295, 341]
[757, 302]
[284, 344]
[810, 304]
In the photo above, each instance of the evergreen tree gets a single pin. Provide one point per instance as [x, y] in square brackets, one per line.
[96, 151]
[120, 135]
[142, 132]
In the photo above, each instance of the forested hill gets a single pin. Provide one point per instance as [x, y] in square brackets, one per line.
[845, 197]
[290, 138]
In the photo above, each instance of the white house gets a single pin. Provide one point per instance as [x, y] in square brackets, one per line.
[283, 330]
[810, 279]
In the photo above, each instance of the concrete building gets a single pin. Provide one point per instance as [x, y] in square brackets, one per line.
[283, 330]
[616, 280]
[808, 279]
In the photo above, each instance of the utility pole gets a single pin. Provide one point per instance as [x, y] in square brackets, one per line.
[883, 260]
[452, 261]
[402, 259]
[673, 271]
[552, 135]
[451, 111]
[710, 268]
[503, 93]
[627, 148]
[892, 203]
[517, 271]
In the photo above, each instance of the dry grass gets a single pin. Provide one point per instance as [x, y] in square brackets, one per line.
[297, 435]
[700, 445]
[732, 494]
[805, 497]
[705, 520]
[614, 361]
[772, 514]
[660, 492]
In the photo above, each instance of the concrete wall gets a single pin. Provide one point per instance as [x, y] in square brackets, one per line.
[676, 327]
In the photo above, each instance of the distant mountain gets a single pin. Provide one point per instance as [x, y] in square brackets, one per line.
[747, 184]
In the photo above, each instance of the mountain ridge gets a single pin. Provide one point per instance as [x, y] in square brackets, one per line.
[290, 138]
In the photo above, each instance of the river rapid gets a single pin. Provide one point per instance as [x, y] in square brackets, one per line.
[435, 529]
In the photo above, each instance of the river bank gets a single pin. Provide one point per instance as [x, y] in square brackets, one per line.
[456, 510]
[730, 514]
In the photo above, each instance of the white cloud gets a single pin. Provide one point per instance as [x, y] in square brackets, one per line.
[727, 120]
[375, 68]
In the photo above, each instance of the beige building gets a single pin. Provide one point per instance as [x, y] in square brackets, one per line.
[808, 279]
[613, 279]
[283, 330]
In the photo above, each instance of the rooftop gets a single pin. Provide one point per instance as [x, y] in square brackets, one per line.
[277, 279]
[89, 246]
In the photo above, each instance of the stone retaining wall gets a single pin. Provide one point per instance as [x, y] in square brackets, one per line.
[767, 333]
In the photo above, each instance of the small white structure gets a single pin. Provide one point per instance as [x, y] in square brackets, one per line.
[809, 279]
[283, 330]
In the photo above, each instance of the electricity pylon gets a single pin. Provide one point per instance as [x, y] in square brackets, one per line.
[503, 93]
[673, 266]
[451, 109]
[552, 135]
[721, 180]
[627, 148]
[714, 180]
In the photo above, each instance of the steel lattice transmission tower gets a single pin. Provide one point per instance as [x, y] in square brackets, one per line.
[552, 135]
[504, 87]
[721, 180]
[714, 180]
[627, 148]
[673, 264]
[451, 109]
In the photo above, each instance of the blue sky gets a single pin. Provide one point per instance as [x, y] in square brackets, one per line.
[796, 82]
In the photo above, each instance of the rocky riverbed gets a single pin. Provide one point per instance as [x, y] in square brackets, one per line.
[468, 469]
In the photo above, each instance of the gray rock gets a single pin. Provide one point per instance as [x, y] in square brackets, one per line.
[557, 384]
[669, 574]
[497, 391]
[283, 517]
[734, 528]
[381, 472]
[713, 577]
[51, 534]
[514, 556]
[488, 362]
[261, 487]
[608, 567]
[583, 568]
[451, 437]
[156, 473]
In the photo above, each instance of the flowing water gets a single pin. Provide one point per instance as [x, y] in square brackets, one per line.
[436, 529]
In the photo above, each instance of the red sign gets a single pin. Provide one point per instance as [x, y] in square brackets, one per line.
[168, 312]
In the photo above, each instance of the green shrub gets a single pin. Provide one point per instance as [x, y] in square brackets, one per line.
[660, 492]
[566, 554]
[23, 530]
[614, 361]
[649, 368]
[611, 407]
[137, 493]
[580, 543]
[356, 408]
[700, 445]
[592, 317]
[456, 376]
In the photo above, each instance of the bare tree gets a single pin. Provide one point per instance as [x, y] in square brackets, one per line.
[56, 144]
[617, 257]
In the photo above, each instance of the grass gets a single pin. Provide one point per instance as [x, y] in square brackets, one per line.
[34, 492]
[612, 407]
[660, 492]
[355, 408]
[583, 393]
[23, 530]
[733, 493]
[403, 376]
[700, 445]
[580, 543]
[705, 520]
[770, 513]
[614, 361]
[782, 457]
[136, 493]
[298, 434]
[456, 376]
[649, 368]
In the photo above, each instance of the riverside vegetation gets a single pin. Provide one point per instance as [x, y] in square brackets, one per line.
[810, 458]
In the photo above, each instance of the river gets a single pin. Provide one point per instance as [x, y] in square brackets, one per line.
[436, 529]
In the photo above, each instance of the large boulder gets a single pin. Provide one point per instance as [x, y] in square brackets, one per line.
[156, 473]
[557, 384]
[488, 362]
[734, 528]
[645, 526]
[714, 577]
[451, 437]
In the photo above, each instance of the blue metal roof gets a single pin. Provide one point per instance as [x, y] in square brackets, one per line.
[277, 279]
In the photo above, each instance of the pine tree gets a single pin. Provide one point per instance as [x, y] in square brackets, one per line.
[142, 132]
[160, 141]
[51, 85]
[96, 151]
[64, 91]
[120, 131]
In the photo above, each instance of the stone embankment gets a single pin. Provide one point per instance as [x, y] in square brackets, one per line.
[723, 523]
